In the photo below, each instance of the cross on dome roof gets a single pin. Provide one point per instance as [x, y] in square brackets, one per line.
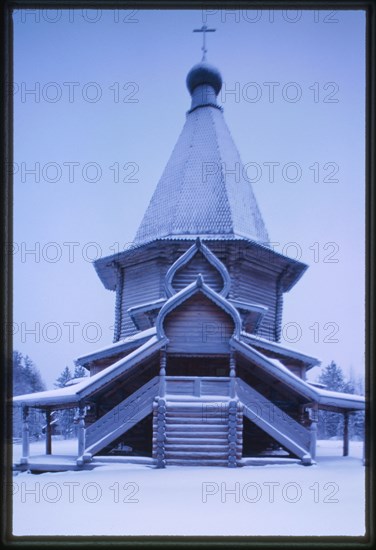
[204, 29]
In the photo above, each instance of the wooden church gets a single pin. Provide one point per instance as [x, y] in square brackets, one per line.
[196, 374]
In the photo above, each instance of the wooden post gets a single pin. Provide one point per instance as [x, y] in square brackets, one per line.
[25, 435]
[48, 432]
[232, 415]
[346, 415]
[232, 433]
[162, 373]
[301, 414]
[81, 431]
[159, 411]
[313, 429]
[232, 374]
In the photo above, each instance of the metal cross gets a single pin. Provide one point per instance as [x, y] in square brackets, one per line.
[204, 29]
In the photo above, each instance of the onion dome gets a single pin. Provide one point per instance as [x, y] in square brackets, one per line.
[204, 74]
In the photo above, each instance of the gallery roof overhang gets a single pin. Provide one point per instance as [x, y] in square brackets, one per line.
[122, 346]
[289, 269]
[285, 352]
[76, 394]
[330, 400]
[71, 396]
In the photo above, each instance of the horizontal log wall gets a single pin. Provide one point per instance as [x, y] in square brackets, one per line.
[255, 286]
[142, 284]
[198, 264]
[198, 326]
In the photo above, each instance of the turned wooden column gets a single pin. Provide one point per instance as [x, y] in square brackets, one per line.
[159, 411]
[48, 432]
[232, 374]
[81, 431]
[162, 373]
[233, 419]
[313, 416]
[25, 435]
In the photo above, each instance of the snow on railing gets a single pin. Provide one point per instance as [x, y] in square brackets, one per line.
[198, 386]
[268, 413]
[122, 414]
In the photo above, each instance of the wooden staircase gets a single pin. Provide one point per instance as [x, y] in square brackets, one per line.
[197, 432]
[198, 421]
[120, 419]
[272, 420]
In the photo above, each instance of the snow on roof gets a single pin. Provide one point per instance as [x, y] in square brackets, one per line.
[323, 392]
[183, 203]
[116, 346]
[317, 384]
[342, 395]
[147, 305]
[321, 396]
[73, 381]
[71, 395]
[61, 396]
[265, 343]
[107, 270]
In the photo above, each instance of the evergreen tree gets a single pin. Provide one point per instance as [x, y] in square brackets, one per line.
[357, 419]
[330, 423]
[79, 371]
[333, 377]
[65, 417]
[26, 379]
[64, 377]
[19, 381]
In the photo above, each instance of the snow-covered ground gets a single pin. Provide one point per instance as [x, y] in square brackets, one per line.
[126, 499]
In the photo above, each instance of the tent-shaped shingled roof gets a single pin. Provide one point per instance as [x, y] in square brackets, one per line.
[203, 190]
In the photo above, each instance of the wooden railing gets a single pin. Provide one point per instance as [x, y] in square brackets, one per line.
[273, 420]
[198, 386]
[257, 408]
[122, 417]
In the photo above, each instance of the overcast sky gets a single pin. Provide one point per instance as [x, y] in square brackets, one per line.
[108, 105]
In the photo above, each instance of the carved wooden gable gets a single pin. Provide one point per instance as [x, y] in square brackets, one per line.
[198, 260]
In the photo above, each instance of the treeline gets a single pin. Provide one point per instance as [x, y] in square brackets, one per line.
[65, 418]
[27, 379]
